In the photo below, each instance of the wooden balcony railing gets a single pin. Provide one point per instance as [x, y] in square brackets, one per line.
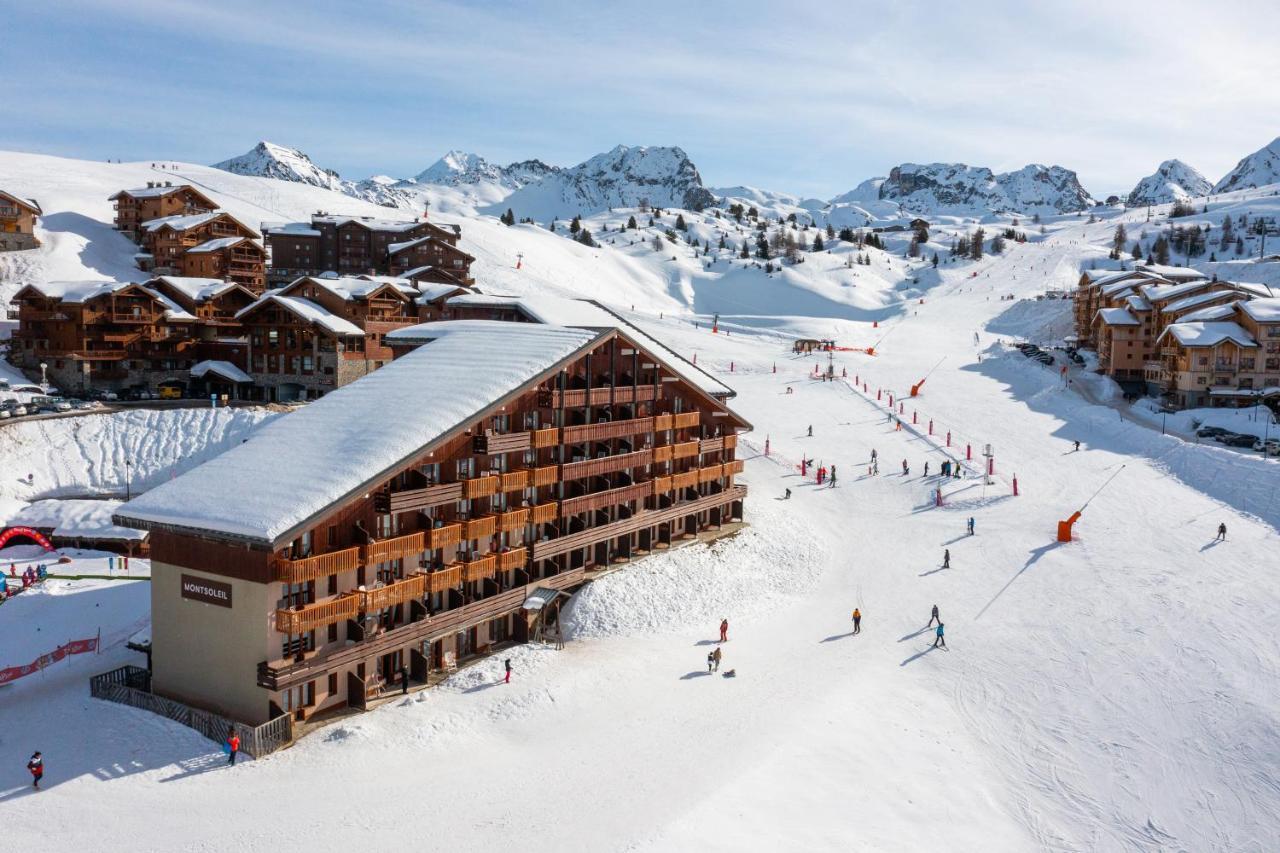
[600, 500]
[709, 473]
[710, 445]
[606, 430]
[480, 568]
[479, 528]
[309, 568]
[444, 536]
[582, 397]
[662, 485]
[685, 480]
[515, 480]
[543, 438]
[637, 394]
[515, 558]
[686, 419]
[731, 441]
[734, 466]
[480, 486]
[398, 592]
[450, 577]
[605, 465]
[544, 476]
[684, 449]
[425, 498]
[544, 513]
[513, 520]
[662, 454]
[393, 549]
[496, 442]
[303, 619]
[661, 422]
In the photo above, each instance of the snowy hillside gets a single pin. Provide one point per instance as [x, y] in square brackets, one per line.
[958, 189]
[623, 177]
[1260, 168]
[1172, 181]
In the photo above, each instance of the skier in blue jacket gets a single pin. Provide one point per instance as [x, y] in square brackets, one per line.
[939, 640]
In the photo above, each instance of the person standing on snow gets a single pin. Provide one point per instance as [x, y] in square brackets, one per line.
[787, 495]
[810, 430]
[971, 525]
[403, 672]
[938, 639]
[506, 666]
[946, 558]
[1077, 445]
[934, 617]
[905, 470]
[873, 454]
[36, 766]
[233, 745]
[724, 630]
[857, 621]
[833, 476]
[711, 661]
[1222, 532]
[716, 657]
[926, 469]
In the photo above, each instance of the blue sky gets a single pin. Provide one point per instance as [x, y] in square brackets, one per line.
[805, 99]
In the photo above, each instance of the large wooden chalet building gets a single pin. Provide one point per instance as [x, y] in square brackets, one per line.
[418, 250]
[429, 512]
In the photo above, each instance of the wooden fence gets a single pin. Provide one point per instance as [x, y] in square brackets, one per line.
[131, 685]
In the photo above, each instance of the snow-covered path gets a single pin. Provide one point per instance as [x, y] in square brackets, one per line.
[1115, 693]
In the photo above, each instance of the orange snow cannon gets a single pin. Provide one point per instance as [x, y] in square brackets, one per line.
[1064, 527]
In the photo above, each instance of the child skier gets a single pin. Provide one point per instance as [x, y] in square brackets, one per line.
[36, 766]
[506, 666]
[711, 661]
[939, 640]
[233, 745]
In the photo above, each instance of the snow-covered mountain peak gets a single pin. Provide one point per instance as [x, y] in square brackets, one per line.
[1260, 168]
[1172, 181]
[459, 168]
[268, 160]
[957, 188]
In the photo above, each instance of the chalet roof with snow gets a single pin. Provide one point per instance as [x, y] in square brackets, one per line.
[306, 310]
[1165, 291]
[350, 289]
[338, 446]
[1208, 334]
[1137, 302]
[1198, 300]
[29, 203]
[1171, 273]
[1213, 312]
[218, 367]
[172, 310]
[217, 244]
[430, 291]
[1117, 317]
[160, 192]
[397, 248]
[1262, 310]
[198, 290]
[74, 292]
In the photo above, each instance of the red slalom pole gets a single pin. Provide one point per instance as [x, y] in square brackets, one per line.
[968, 452]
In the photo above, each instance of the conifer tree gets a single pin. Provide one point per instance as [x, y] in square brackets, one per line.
[575, 225]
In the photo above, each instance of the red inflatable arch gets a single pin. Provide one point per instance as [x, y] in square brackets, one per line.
[34, 535]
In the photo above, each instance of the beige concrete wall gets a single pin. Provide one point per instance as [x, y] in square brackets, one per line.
[207, 655]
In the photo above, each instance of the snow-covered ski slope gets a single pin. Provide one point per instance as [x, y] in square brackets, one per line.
[1116, 693]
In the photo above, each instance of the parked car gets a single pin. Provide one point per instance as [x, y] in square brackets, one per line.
[83, 404]
[61, 404]
[1267, 445]
[138, 394]
[14, 408]
[5, 413]
[102, 394]
[169, 392]
[1239, 441]
[1211, 431]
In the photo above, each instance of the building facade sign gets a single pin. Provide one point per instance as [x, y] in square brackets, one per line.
[206, 591]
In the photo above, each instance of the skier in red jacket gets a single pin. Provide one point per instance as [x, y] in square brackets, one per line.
[36, 766]
[724, 630]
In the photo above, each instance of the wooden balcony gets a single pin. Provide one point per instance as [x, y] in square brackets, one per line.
[303, 619]
[393, 549]
[662, 485]
[661, 422]
[709, 473]
[514, 558]
[731, 441]
[637, 394]
[544, 513]
[309, 568]
[684, 449]
[497, 442]
[412, 587]
[444, 536]
[710, 445]
[481, 568]
[450, 577]
[600, 500]
[479, 528]
[425, 498]
[734, 466]
[686, 419]
[515, 481]
[605, 465]
[544, 476]
[662, 454]
[513, 520]
[480, 487]
[685, 480]
[543, 438]
[128, 317]
[606, 430]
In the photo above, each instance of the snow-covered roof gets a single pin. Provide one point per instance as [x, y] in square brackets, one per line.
[182, 221]
[1197, 300]
[292, 229]
[29, 203]
[1262, 310]
[154, 192]
[431, 291]
[1101, 278]
[225, 369]
[338, 446]
[349, 288]
[215, 245]
[393, 248]
[307, 310]
[1117, 317]
[1138, 302]
[1171, 272]
[1160, 292]
[1209, 334]
[1213, 312]
[368, 222]
[482, 299]
[172, 310]
[1118, 288]
[197, 289]
[83, 519]
[76, 292]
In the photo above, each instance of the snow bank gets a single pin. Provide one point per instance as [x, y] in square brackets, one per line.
[88, 519]
[1040, 321]
[749, 573]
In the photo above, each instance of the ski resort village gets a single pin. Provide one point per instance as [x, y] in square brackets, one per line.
[605, 500]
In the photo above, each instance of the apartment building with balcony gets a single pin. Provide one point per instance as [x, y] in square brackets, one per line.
[156, 200]
[18, 218]
[204, 245]
[424, 514]
[357, 245]
[1225, 355]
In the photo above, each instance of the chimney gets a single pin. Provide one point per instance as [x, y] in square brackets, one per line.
[168, 183]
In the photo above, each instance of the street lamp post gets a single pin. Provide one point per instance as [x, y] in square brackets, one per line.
[128, 481]
[43, 376]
